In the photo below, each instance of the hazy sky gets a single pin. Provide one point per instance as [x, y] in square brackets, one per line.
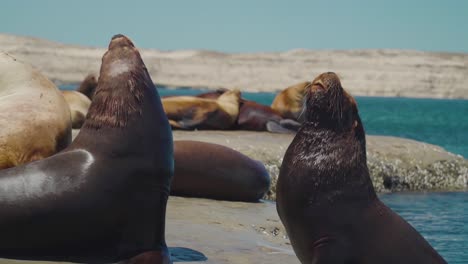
[245, 25]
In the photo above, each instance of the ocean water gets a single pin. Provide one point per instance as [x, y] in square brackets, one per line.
[441, 218]
[440, 122]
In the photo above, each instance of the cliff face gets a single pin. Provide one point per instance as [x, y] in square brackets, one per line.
[363, 72]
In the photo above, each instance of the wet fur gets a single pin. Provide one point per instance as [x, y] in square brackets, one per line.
[103, 198]
[325, 197]
[113, 108]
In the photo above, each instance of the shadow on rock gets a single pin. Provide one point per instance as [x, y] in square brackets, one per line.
[181, 254]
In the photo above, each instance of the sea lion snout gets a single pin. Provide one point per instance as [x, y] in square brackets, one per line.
[327, 80]
[120, 40]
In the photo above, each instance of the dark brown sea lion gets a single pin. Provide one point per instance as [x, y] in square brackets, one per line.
[289, 101]
[325, 197]
[213, 171]
[257, 117]
[88, 86]
[102, 199]
[34, 116]
[79, 105]
[189, 112]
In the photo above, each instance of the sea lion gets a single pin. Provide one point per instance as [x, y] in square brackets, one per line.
[88, 86]
[213, 171]
[79, 105]
[102, 199]
[325, 197]
[34, 117]
[289, 101]
[189, 112]
[257, 117]
[213, 94]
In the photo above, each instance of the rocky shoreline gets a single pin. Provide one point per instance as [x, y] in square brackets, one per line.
[404, 73]
[221, 232]
[395, 164]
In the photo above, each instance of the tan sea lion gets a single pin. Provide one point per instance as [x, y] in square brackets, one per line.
[189, 112]
[289, 101]
[325, 197]
[257, 117]
[34, 116]
[88, 86]
[79, 105]
[102, 199]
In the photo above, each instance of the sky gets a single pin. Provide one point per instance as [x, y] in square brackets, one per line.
[245, 25]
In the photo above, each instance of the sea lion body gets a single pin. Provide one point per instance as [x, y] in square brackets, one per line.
[188, 112]
[213, 171]
[79, 105]
[103, 198]
[288, 103]
[257, 117]
[325, 197]
[34, 117]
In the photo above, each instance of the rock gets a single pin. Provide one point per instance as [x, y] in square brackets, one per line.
[395, 164]
[208, 232]
[227, 232]
[381, 72]
[203, 231]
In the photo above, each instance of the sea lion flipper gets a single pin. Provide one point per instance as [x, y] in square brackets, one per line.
[190, 124]
[276, 127]
[290, 124]
[329, 253]
[174, 124]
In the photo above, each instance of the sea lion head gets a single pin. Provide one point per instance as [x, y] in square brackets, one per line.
[88, 86]
[123, 80]
[333, 138]
[327, 104]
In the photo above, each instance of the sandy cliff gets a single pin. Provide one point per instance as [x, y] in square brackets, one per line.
[364, 72]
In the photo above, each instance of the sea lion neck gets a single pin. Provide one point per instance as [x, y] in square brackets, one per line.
[124, 112]
[334, 139]
[123, 83]
[337, 162]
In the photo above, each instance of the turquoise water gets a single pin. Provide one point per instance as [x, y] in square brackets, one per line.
[440, 122]
[437, 121]
[440, 217]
